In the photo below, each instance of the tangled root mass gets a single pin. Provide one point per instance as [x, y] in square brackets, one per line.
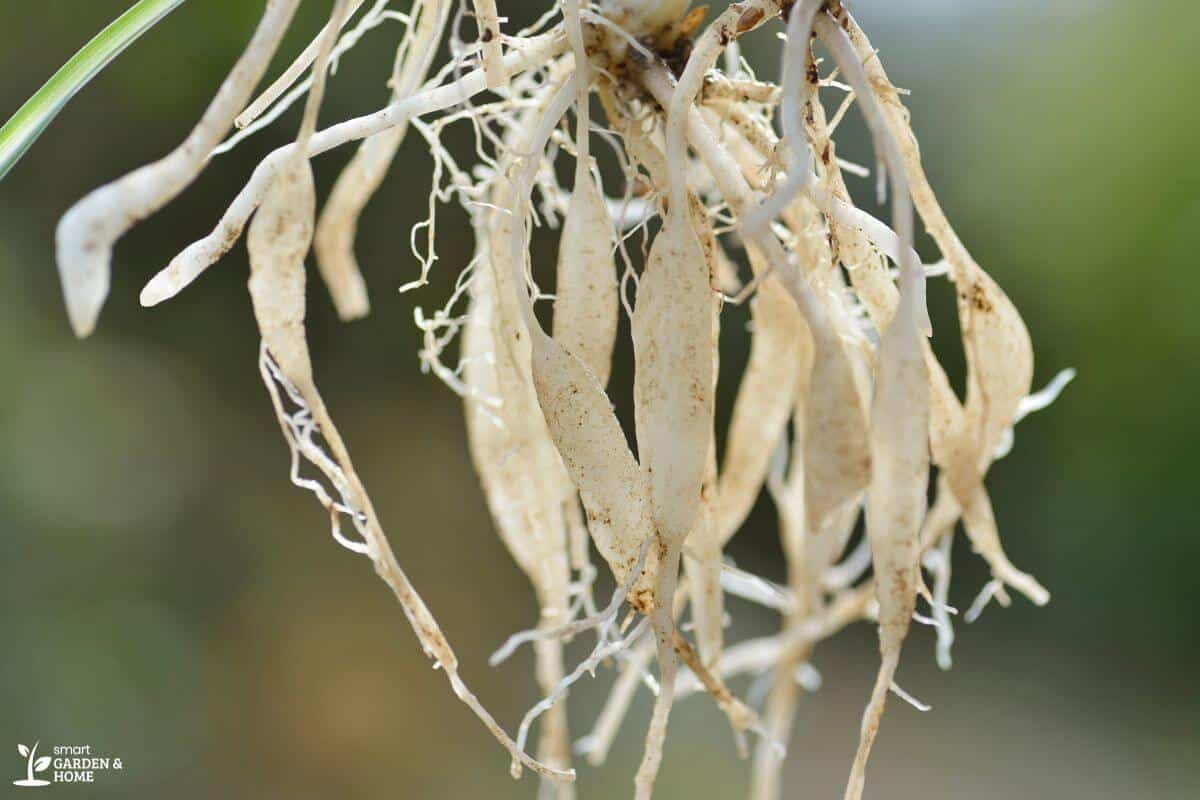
[842, 409]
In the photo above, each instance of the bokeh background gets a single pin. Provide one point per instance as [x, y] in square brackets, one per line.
[168, 597]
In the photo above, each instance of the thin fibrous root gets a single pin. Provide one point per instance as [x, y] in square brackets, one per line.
[200, 255]
[741, 717]
[870, 725]
[290, 75]
[664, 631]
[362, 176]
[843, 409]
[340, 473]
[603, 651]
[602, 620]
[596, 744]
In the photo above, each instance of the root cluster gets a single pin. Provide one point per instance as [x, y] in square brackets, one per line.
[842, 410]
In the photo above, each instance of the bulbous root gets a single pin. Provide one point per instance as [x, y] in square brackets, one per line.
[842, 407]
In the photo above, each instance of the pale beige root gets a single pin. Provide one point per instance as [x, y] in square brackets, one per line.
[870, 725]
[877, 291]
[316, 96]
[580, 554]
[527, 491]
[673, 408]
[298, 428]
[338, 224]
[781, 357]
[279, 238]
[704, 544]
[836, 425]
[938, 561]
[554, 742]
[664, 636]
[795, 96]
[527, 488]
[519, 431]
[837, 459]
[780, 352]
[362, 176]
[899, 433]
[578, 414]
[523, 480]
[487, 17]
[198, 256]
[779, 715]
[836, 452]
[586, 303]
[996, 342]
[741, 717]
[896, 499]
[278, 241]
[673, 393]
[702, 562]
[503, 457]
[596, 455]
[999, 373]
[595, 745]
[806, 557]
[947, 420]
[703, 557]
[979, 521]
[290, 75]
[87, 232]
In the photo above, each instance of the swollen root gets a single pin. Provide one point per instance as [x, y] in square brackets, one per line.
[842, 412]
[87, 232]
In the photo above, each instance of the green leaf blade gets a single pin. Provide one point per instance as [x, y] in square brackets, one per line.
[32, 118]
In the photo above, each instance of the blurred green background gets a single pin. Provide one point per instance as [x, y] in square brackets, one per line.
[168, 597]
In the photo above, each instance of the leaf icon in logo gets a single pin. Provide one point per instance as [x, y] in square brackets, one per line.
[41, 764]
[23, 751]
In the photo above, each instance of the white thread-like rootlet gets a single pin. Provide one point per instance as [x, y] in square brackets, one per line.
[842, 411]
